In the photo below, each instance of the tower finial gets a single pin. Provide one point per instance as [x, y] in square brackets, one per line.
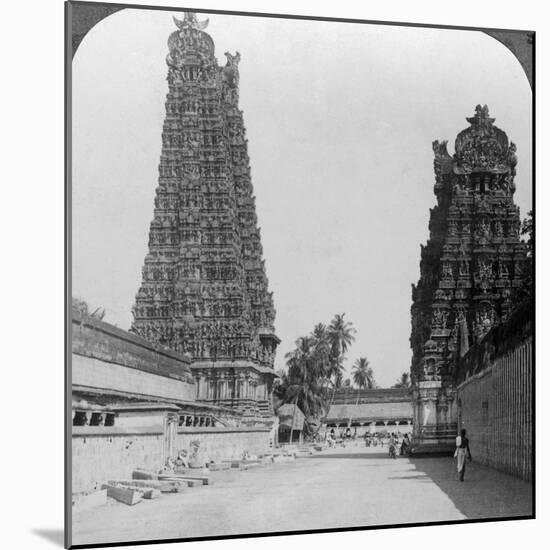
[481, 116]
[190, 21]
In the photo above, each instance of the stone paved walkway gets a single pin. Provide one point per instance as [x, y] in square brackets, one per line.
[338, 488]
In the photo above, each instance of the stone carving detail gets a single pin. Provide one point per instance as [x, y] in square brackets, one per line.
[474, 255]
[483, 147]
[204, 287]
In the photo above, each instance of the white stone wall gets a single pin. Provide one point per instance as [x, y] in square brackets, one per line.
[98, 458]
[103, 453]
[225, 443]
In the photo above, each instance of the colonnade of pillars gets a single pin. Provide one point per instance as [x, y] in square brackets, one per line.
[228, 388]
[373, 427]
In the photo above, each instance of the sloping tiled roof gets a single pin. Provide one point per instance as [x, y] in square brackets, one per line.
[350, 395]
[287, 413]
[371, 412]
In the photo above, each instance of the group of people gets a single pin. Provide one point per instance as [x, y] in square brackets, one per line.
[398, 441]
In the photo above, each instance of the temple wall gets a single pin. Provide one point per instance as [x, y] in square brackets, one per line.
[110, 454]
[98, 374]
[108, 358]
[220, 443]
[495, 402]
[103, 453]
[102, 341]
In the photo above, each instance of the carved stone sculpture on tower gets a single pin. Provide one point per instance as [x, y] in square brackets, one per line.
[474, 190]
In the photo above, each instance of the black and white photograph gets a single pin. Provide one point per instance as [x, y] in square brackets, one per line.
[300, 274]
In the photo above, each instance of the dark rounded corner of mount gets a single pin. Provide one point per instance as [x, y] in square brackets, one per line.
[522, 46]
[83, 16]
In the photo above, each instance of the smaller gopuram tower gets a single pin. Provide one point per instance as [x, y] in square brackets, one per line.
[469, 269]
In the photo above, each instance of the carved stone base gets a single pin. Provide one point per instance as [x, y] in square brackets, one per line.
[435, 424]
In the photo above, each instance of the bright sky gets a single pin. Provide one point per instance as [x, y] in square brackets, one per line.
[340, 118]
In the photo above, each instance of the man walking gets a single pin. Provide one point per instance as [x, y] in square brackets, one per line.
[462, 450]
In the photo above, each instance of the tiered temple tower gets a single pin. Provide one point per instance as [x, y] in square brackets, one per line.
[204, 290]
[469, 268]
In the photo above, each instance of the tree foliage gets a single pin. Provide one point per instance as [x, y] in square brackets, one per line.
[404, 381]
[526, 290]
[362, 374]
[81, 306]
[315, 365]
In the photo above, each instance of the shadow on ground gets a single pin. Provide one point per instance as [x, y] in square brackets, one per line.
[485, 492]
[53, 535]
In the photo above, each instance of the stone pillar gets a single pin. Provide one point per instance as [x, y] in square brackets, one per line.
[240, 386]
[247, 387]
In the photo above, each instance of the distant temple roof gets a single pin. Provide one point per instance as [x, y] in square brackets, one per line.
[370, 412]
[350, 395]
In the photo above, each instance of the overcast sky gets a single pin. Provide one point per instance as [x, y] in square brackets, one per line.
[340, 118]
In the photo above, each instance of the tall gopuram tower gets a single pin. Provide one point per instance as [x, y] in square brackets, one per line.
[469, 269]
[204, 290]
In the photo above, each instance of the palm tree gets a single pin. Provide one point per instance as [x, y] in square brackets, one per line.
[362, 374]
[304, 389]
[404, 381]
[321, 352]
[340, 336]
[363, 377]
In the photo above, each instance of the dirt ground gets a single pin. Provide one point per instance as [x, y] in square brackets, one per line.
[336, 488]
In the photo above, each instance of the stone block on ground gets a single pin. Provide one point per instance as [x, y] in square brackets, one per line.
[190, 482]
[194, 471]
[123, 494]
[283, 458]
[140, 473]
[162, 486]
[255, 464]
[205, 480]
[194, 482]
[217, 466]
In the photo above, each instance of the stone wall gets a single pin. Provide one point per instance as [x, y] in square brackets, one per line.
[105, 357]
[108, 453]
[220, 443]
[91, 373]
[495, 399]
[103, 453]
[105, 342]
